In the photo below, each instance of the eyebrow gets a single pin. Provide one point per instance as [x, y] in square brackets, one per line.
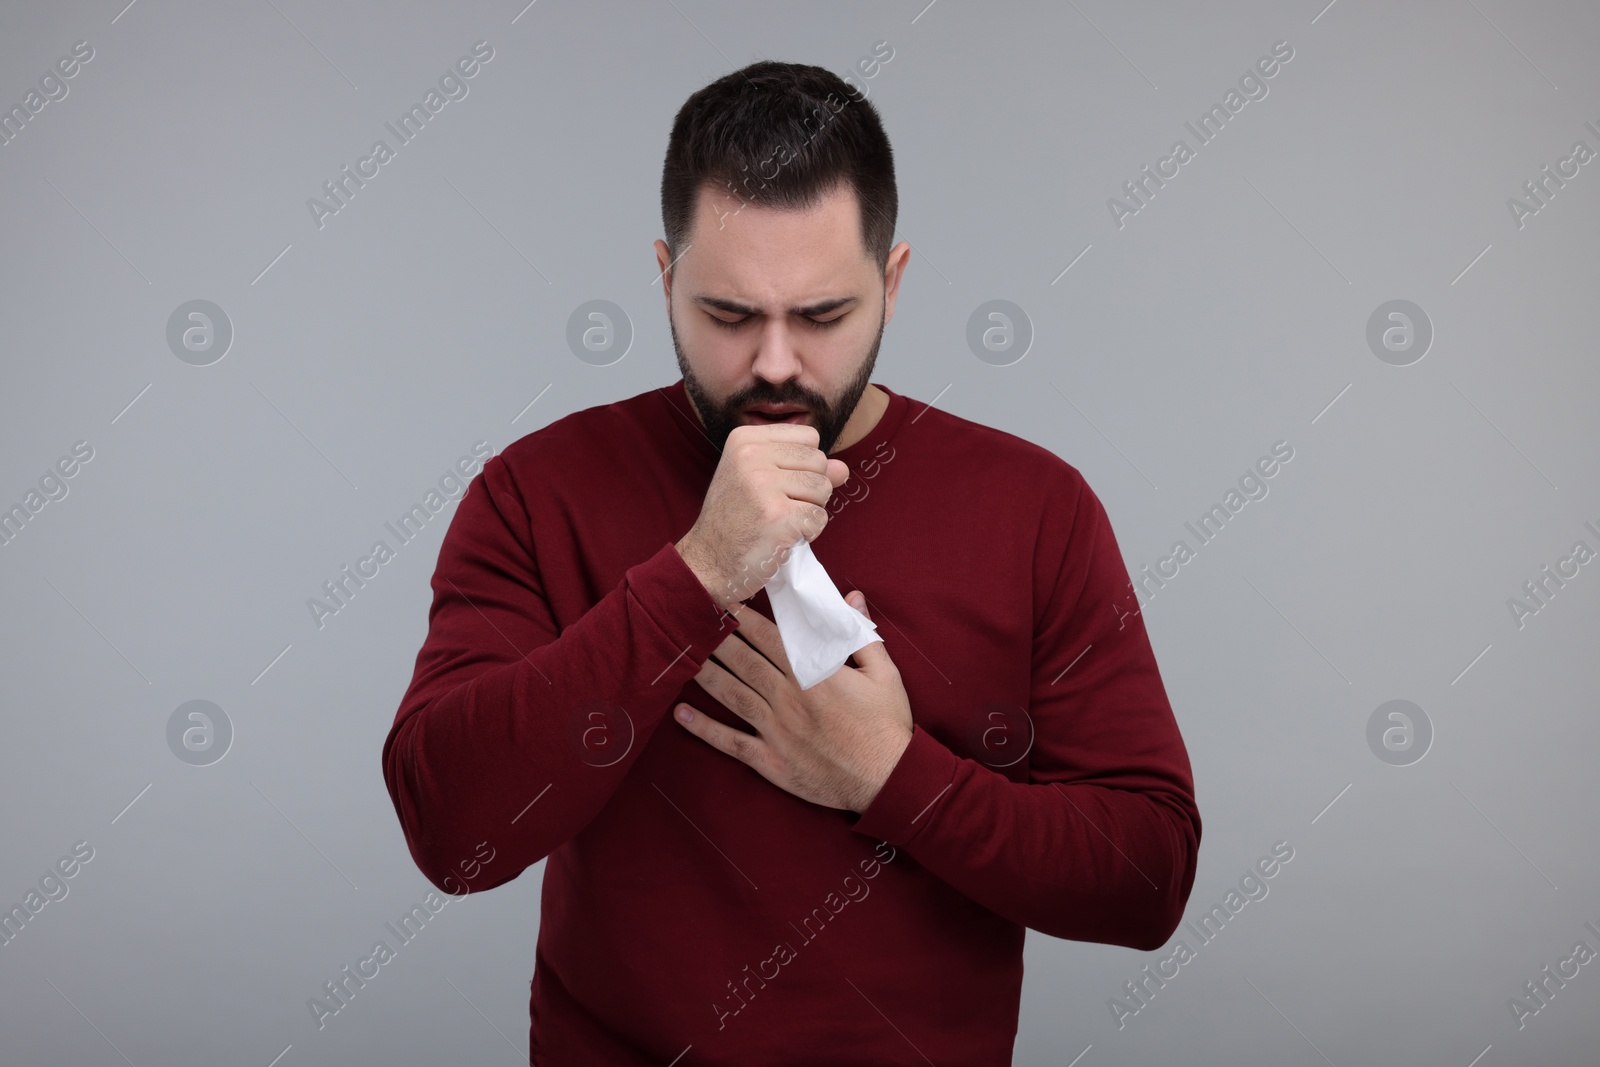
[821, 307]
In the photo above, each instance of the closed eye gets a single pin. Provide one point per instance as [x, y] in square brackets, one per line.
[736, 323]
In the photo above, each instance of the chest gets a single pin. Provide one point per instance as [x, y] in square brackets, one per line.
[952, 600]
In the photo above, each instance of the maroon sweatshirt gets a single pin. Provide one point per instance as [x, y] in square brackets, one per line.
[694, 913]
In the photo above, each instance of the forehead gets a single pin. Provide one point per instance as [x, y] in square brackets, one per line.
[755, 252]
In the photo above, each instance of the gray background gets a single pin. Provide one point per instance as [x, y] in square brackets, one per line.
[370, 354]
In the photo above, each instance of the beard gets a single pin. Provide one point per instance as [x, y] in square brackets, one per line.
[829, 417]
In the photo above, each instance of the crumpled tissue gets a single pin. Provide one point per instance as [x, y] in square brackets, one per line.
[819, 628]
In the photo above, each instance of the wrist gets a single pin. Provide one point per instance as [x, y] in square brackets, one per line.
[716, 587]
[879, 777]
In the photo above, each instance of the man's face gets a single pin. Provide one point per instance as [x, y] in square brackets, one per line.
[778, 308]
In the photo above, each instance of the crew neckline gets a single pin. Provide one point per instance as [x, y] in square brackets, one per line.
[887, 426]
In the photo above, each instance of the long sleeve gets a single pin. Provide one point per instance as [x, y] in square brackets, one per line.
[1101, 841]
[513, 730]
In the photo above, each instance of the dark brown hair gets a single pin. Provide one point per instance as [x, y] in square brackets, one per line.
[780, 135]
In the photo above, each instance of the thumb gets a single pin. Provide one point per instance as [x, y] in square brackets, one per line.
[871, 657]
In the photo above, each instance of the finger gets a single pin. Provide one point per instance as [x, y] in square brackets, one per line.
[811, 487]
[801, 452]
[872, 657]
[730, 742]
[750, 657]
[734, 694]
[791, 445]
[779, 432]
[762, 633]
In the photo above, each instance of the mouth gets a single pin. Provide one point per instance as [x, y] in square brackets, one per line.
[775, 413]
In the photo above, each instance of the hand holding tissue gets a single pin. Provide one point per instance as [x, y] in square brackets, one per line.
[819, 629]
[751, 508]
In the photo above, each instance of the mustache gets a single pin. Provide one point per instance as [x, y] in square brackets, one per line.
[808, 402]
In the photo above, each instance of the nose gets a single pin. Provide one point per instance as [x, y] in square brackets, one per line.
[776, 357]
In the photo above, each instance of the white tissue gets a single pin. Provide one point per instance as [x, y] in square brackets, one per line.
[819, 628]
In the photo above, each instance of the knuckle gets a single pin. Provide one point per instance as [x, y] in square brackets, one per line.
[803, 453]
[745, 705]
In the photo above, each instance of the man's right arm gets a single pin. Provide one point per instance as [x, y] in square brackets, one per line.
[512, 731]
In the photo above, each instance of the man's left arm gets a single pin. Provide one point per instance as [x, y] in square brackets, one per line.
[1100, 843]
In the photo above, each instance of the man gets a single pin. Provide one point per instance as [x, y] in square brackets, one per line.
[843, 874]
